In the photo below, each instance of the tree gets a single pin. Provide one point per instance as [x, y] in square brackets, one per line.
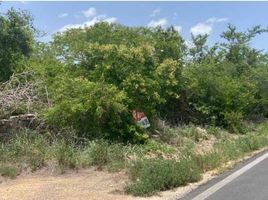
[143, 62]
[16, 40]
[237, 48]
[199, 50]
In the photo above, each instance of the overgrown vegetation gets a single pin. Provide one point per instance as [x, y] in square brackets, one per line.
[159, 174]
[152, 167]
[206, 105]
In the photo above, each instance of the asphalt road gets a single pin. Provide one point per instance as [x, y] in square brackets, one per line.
[248, 181]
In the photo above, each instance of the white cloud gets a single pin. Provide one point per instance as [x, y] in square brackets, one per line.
[160, 22]
[178, 28]
[155, 12]
[206, 27]
[201, 29]
[96, 19]
[62, 15]
[216, 20]
[89, 12]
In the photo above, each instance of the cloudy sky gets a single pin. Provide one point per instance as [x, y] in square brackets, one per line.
[187, 17]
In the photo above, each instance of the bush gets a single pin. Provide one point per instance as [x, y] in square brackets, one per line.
[234, 121]
[153, 175]
[95, 110]
[217, 94]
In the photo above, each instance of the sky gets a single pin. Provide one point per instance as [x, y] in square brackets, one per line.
[187, 17]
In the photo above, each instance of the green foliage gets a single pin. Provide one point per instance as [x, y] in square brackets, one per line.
[91, 79]
[167, 43]
[155, 175]
[221, 81]
[237, 49]
[112, 156]
[151, 70]
[234, 122]
[95, 110]
[260, 76]
[199, 50]
[215, 92]
[16, 40]
[144, 63]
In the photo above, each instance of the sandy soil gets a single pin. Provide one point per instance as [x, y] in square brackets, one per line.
[87, 184]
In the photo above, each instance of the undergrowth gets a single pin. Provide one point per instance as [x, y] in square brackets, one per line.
[154, 166]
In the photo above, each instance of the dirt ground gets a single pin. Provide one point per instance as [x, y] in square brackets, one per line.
[85, 184]
[88, 184]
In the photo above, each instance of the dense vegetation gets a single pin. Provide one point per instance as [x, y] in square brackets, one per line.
[85, 83]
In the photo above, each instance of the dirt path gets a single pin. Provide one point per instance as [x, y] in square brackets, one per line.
[83, 185]
[87, 184]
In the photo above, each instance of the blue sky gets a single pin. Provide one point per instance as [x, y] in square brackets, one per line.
[187, 17]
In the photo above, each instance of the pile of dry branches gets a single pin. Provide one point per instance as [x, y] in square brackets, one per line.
[18, 94]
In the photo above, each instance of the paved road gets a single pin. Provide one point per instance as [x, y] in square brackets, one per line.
[249, 181]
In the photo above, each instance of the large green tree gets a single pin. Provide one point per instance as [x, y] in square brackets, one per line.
[16, 40]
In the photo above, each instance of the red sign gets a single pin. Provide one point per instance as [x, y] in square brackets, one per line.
[137, 116]
[140, 119]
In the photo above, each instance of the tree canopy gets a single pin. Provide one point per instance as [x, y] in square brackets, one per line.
[96, 76]
[16, 41]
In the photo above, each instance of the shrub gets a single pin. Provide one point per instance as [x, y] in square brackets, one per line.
[95, 110]
[234, 121]
[153, 175]
[218, 94]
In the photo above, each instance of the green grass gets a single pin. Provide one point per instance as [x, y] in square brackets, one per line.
[153, 175]
[232, 149]
[65, 154]
[27, 149]
[8, 171]
[154, 166]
